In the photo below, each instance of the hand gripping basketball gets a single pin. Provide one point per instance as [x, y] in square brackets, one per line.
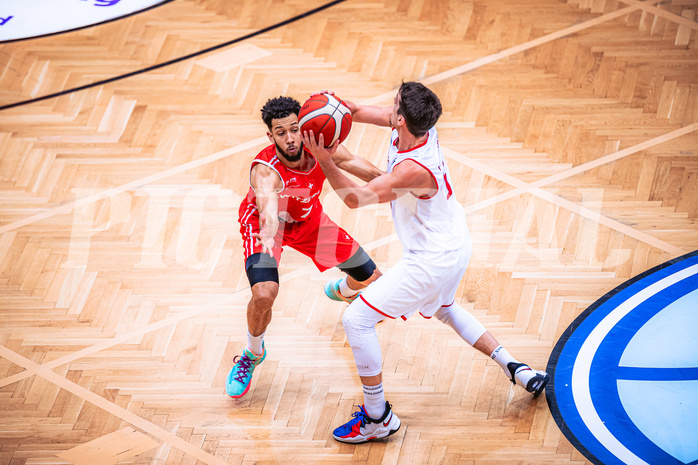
[328, 115]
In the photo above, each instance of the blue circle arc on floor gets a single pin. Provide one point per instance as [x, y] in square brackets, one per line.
[624, 374]
[34, 18]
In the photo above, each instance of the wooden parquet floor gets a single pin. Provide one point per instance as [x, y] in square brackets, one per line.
[571, 132]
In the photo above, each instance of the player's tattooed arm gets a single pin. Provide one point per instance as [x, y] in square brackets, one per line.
[358, 166]
[266, 184]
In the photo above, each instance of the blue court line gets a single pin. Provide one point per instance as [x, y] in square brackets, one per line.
[657, 374]
[175, 60]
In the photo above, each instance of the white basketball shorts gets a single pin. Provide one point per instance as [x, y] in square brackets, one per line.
[418, 283]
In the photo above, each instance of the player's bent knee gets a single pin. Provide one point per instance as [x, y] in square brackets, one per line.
[355, 326]
[264, 301]
[359, 321]
[359, 266]
[443, 314]
[352, 328]
[264, 294]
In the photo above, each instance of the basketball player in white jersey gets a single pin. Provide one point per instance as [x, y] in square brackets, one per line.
[431, 226]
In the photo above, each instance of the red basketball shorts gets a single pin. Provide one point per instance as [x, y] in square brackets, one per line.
[318, 238]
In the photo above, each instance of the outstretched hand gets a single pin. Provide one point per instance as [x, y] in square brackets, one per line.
[267, 243]
[317, 148]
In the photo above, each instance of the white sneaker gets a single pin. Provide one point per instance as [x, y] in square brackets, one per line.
[538, 381]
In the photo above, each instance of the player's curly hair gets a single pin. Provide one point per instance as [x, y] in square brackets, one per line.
[279, 107]
[420, 107]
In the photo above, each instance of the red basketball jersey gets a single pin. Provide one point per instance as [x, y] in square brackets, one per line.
[299, 197]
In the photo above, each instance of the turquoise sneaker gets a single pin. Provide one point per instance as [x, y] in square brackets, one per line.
[332, 291]
[238, 382]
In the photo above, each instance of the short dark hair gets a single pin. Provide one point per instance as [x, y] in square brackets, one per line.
[420, 107]
[279, 107]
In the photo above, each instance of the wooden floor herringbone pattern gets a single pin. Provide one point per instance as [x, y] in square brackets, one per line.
[570, 129]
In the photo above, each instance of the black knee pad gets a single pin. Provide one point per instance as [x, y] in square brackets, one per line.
[261, 267]
[359, 266]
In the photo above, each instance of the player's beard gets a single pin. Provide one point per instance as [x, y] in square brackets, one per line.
[289, 158]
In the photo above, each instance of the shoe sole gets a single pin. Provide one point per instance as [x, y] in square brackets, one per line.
[364, 441]
[243, 392]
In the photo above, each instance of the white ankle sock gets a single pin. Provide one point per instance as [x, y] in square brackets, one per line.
[374, 401]
[503, 358]
[254, 343]
[345, 290]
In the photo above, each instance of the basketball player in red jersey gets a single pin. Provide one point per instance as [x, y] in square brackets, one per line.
[282, 208]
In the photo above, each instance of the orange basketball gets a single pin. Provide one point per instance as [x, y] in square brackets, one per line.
[328, 115]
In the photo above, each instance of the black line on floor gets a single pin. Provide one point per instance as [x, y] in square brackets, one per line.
[133, 13]
[176, 60]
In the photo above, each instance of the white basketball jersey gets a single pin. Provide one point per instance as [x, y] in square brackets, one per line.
[434, 224]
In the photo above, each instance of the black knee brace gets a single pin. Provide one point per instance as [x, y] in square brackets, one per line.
[359, 266]
[261, 267]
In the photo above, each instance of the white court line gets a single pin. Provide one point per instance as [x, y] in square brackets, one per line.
[68, 207]
[566, 204]
[480, 62]
[534, 188]
[581, 369]
[616, 155]
[234, 298]
[663, 13]
[111, 407]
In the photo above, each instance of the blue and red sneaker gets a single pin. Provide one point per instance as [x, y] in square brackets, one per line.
[238, 382]
[362, 428]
